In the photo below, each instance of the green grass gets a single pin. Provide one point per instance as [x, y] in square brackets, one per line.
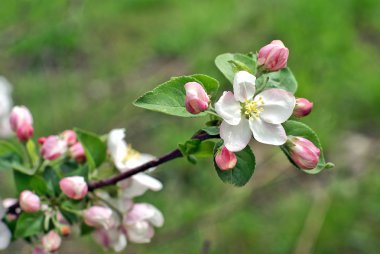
[82, 63]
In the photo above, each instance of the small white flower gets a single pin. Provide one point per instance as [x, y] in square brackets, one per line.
[245, 113]
[5, 233]
[125, 159]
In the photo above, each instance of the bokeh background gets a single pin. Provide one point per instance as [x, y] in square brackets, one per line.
[82, 63]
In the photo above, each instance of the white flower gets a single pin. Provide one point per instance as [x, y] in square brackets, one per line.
[245, 113]
[125, 159]
[140, 221]
[112, 238]
[5, 233]
[5, 107]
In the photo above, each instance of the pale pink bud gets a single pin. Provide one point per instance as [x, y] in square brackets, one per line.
[303, 107]
[99, 217]
[20, 115]
[70, 137]
[273, 56]
[77, 152]
[225, 159]
[303, 152]
[29, 202]
[196, 98]
[74, 187]
[51, 242]
[53, 148]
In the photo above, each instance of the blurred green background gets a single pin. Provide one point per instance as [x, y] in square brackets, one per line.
[81, 64]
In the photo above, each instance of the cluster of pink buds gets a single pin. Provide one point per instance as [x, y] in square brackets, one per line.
[21, 122]
[197, 99]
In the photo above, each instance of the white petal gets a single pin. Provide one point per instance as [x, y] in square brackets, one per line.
[278, 105]
[236, 137]
[117, 147]
[5, 236]
[228, 108]
[148, 181]
[139, 160]
[147, 212]
[267, 133]
[140, 232]
[244, 86]
[138, 184]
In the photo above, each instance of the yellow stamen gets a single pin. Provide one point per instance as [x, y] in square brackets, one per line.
[253, 108]
[131, 154]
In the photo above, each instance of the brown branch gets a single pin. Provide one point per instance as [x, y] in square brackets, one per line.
[154, 163]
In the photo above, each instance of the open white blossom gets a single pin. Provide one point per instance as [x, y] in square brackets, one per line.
[5, 107]
[5, 233]
[125, 158]
[245, 113]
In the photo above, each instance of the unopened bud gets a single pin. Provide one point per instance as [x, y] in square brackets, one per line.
[99, 217]
[74, 187]
[21, 122]
[53, 148]
[29, 202]
[196, 98]
[303, 152]
[273, 56]
[77, 152]
[51, 242]
[303, 107]
[70, 137]
[225, 159]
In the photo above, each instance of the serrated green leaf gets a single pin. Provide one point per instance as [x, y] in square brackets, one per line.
[95, 148]
[283, 79]
[169, 97]
[243, 170]
[299, 129]
[29, 224]
[230, 63]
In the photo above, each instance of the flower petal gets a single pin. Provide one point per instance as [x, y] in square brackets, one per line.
[244, 86]
[5, 236]
[138, 184]
[267, 133]
[278, 105]
[139, 160]
[117, 147]
[140, 232]
[228, 108]
[236, 137]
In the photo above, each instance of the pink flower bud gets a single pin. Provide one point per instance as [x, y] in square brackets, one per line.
[196, 98]
[77, 152]
[20, 115]
[74, 187]
[225, 159]
[273, 56]
[70, 137]
[29, 202]
[51, 242]
[53, 148]
[25, 132]
[99, 217]
[41, 140]
[303, 152]
[303, 107]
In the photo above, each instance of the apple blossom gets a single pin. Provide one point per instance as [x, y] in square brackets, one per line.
[74, 187]
[303, 107]
[5, 233]
[225, 159]
[77, 152]
[29, 202]
[196, 98]
[69, 137]
[53, 148]
[112, 238]
[21, 122]
[51, 241]
[125, 159]
[99, 217]
[245, 113]
[273, 56]
[140, 220]
[303, 152]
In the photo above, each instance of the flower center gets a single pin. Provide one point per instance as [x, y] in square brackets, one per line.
[131, 154]
[253, 108]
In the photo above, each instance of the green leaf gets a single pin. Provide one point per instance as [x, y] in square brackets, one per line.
[169, 97]
[33, 183]
[230, 63]
[283, 79]
[9, 155]
[29, 224]
[189, 147]
[212, 130]
[32, 151]
[299, 129]
[95, 148]
[243, 170]
[52, 181]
